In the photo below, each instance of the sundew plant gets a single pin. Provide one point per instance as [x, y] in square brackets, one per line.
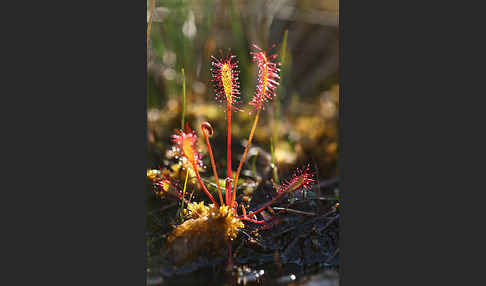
[214, 226]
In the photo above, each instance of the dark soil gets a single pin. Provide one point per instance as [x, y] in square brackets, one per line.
[299, 241]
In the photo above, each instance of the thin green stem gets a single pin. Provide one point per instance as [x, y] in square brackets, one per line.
[150, 20]
[253, 165]
[276, 117]
[183, 98]
[184, 193]
[274, 165]
[250, 138]
[284, 46]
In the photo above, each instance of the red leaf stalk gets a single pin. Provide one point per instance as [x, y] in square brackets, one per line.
[228, 159]
[203, 187]
[243, 158]
[206, 127]
[300, 179]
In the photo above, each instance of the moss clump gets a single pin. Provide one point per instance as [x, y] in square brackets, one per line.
[207, 231]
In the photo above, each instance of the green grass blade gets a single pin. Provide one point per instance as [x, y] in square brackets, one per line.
[183, 98]
[184, 194]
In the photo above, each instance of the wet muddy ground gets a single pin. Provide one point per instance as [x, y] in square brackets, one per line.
[297, 245]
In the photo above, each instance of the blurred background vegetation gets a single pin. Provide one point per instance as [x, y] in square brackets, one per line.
[301, 122]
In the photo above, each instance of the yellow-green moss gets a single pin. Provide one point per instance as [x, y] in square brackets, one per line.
[207, 230]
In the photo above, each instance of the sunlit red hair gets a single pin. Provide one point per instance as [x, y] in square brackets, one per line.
[225, 78]
[163, 185]
[268, 77]
[186, 147]
[301, 179]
